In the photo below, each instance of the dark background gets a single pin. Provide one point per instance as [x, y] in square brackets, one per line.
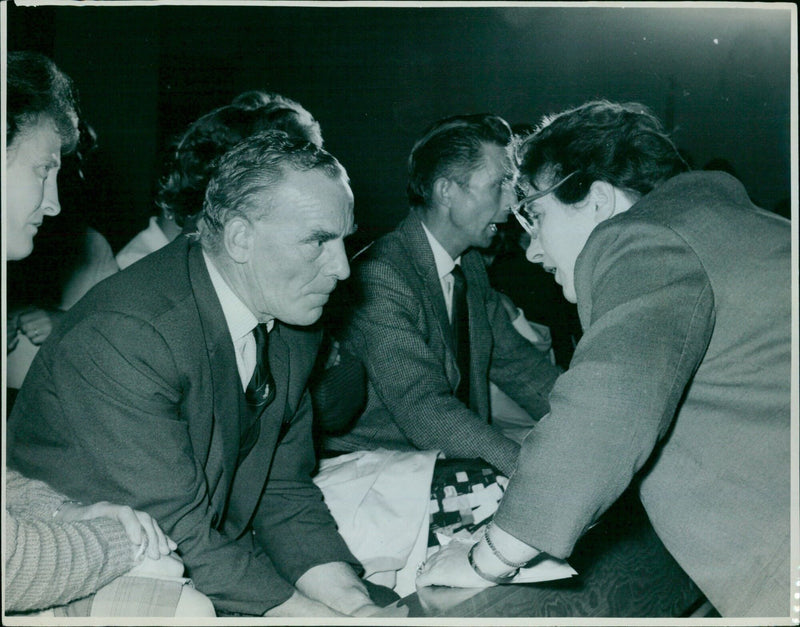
[375, 77]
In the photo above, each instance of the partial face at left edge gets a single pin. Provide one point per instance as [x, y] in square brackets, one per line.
[33, 161]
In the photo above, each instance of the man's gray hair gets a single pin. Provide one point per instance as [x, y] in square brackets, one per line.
[245, 178]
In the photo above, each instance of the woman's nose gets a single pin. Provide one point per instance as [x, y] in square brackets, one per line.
[50, 204]
[534, 252]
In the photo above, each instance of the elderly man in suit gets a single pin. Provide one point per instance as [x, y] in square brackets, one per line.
[431, 350]
[179, 386]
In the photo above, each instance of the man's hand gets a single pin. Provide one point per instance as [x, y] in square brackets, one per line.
[142, 529]
[300, 606]
[341, 593]
[336, 585]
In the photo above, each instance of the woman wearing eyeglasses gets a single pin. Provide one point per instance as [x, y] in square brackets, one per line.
[681, 379]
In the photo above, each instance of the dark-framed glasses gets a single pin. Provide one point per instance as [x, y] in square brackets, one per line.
[521, 210]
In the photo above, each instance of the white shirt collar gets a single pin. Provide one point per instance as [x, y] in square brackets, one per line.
[444, 262]
[239, 318]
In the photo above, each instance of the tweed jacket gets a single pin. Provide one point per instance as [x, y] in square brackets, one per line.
[401, 331]
[681, 381]
[135, 399]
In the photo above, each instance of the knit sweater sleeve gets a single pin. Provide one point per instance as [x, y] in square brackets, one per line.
[50, 562]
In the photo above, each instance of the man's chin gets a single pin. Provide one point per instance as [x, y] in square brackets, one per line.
[305, 318]
[488, 239]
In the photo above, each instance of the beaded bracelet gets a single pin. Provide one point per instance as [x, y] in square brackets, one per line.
[497, 553]
[497, 580]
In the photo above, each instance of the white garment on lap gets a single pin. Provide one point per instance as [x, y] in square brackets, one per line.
[379, 500]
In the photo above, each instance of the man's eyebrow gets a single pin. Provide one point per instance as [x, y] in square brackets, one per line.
[321, 235]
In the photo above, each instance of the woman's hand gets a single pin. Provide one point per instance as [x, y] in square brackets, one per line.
[37, 323]
[142, 529]
[449, 566]
[495, 559]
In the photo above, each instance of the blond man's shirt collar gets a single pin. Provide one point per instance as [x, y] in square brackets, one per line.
[444, 267]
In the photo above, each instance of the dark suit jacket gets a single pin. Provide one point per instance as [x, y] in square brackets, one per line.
[683, 376]
[135, 399]
[401, 331]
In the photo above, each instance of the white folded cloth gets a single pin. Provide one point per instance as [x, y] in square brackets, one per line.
[379, 500]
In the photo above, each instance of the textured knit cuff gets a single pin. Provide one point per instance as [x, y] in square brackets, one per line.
[40, 500]
[118, 548]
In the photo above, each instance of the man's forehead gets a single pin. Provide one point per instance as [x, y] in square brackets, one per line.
[313, 193]
[495, 164]
[304, 180]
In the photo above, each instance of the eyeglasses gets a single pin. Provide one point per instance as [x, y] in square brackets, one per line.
[523, 215]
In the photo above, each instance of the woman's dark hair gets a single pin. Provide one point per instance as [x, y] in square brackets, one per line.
[623, 144]
[37, 89]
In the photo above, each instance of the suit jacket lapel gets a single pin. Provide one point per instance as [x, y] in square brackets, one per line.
[221, 361]
[251, 476]
[279, 363]
[422, 258]
[480, 334]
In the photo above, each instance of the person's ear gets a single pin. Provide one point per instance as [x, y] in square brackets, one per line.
[238, 238]
[603, 200]
[443, 189]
